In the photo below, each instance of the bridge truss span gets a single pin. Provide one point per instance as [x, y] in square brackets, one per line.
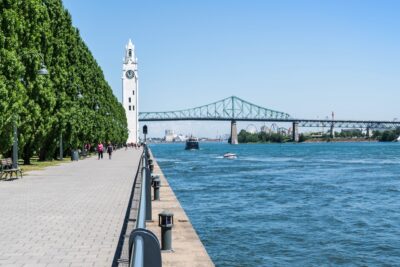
[348, 124]
[231, 108]
[234, 109]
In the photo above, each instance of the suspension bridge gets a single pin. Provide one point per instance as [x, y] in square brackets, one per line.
[235, 109]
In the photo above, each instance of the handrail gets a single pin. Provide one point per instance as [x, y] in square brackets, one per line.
[138, 248]
[141, 219]
[144, 245]
[138, 252]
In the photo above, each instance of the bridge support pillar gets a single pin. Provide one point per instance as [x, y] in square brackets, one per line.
[295, 131]
[234, 136]
[332, 131]
[368, 132]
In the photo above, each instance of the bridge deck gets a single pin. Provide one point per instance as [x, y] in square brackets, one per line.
[68, 215]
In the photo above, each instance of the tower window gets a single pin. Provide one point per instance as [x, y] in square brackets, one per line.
[133, 92]
[130, 52]
[130, 108]
[133, 107]
[129, 100]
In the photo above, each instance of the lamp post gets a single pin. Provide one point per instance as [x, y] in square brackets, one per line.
[79, 96]
[96, 109]
[75, 152]
[41, 71]
[61, 147]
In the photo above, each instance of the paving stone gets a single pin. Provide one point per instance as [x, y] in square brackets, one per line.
[68, 214]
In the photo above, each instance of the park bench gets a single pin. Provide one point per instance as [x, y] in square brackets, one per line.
[7, 170]
[84, 153]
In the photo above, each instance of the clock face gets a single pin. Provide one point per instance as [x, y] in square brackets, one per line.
[130, 74]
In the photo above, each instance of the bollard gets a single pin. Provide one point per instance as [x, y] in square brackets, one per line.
[166, 221]
[156, 187]
[151, 167]
[151, 164]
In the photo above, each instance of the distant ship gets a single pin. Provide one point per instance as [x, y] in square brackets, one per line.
[192, 143]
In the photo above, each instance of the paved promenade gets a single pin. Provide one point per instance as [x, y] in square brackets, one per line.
[68, 215]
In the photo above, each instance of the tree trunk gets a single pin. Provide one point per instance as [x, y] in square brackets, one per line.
[27, 154]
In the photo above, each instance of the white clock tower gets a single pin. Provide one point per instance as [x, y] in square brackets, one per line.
[130, 92]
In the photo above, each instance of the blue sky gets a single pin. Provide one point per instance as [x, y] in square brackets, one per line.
[306, 58]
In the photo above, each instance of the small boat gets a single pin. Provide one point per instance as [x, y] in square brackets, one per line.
[230, 155]
[192, 143]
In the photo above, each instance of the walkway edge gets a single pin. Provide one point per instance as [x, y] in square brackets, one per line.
[188, 250]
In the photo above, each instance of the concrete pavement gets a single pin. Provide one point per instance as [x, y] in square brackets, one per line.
[67, 215]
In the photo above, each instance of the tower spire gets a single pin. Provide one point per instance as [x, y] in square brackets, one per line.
[129, 52]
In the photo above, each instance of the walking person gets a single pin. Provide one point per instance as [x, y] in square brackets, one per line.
[109, 150]
[100, 149]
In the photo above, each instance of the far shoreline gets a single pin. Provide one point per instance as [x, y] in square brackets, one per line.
[347, 140]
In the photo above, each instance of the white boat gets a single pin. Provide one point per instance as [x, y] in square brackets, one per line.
[398, 139]
[230, 156]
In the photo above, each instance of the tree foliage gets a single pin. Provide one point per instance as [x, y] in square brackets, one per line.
[386, 136]
[33, 32]
[261, 137]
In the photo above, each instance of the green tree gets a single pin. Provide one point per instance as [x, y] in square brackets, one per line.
[33, 32]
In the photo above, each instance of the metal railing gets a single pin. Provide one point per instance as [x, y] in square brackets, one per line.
[144, 247]
[141, 218]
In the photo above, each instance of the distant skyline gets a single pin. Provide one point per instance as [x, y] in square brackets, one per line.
[306, 58]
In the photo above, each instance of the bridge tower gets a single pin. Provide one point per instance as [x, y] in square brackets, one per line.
[130, 91]
[234, 135]
[295, 131]
[332, 130]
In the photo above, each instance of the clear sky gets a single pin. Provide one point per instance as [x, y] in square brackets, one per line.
[306, 58]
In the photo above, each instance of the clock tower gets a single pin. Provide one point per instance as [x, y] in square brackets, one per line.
[130, 92]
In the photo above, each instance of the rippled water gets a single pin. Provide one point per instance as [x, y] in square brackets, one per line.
[291, 204]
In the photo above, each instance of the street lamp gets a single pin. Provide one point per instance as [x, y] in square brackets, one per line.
[42, 71]
[80, 96]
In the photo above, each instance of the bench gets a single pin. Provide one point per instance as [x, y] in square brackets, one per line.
[7, 170]
[83, 153]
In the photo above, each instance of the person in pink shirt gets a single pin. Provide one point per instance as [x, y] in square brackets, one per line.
[100, 149]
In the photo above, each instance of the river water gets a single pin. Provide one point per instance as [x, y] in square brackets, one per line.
[323, 204]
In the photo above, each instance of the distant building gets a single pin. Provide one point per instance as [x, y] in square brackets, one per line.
[169, 136]
[180, 138]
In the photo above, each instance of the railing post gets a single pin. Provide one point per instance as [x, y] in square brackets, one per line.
[148, 195]
[156, 183]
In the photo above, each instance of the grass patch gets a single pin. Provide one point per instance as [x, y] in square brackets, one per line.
[39, 165]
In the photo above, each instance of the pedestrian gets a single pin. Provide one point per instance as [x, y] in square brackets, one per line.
[100, 150]
[109, 150]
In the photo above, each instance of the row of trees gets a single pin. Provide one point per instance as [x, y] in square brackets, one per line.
[33, 32]
[386, 136]
[261, 137]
